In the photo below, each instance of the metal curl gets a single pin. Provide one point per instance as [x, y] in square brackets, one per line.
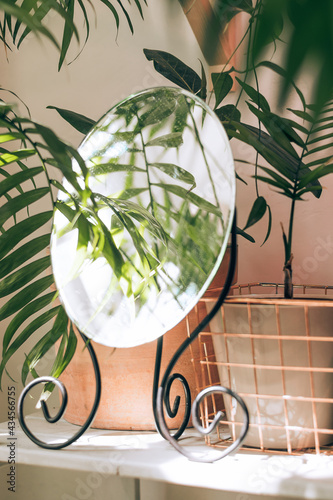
[172, 412]
[211, 427]
[207, 456]
[63, 405]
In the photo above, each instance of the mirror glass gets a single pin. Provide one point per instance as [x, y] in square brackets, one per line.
[161, 174]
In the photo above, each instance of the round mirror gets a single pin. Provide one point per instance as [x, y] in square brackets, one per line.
[162, 182]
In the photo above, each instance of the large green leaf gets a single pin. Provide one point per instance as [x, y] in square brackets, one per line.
[26, 295]
[30, 21]
[255, 95]
[24, 275]
[257, 212]
[190, 197]
[62, 361]
[14, 235]
[23, 254]
[222, 84]
[26, 334]
[109, 168]
[173, 140]
[16, 204]
[174, 70]
[15, 180]
[276, 128]
[68, 30]
[26, 312]
[80, 122]
[285, 163]
[157, 112]
[175, 172]
[143, 216]
[39, 350]
[10, 157]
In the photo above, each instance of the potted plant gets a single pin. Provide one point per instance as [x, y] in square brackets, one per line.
[270, 350]
[81, 210]
[270, 147]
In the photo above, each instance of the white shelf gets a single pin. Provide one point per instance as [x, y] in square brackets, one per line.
[146, 455]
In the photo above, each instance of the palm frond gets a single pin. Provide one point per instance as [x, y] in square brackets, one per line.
[31, 16]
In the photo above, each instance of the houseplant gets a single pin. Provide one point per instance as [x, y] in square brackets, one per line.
[296, 152]
[259, 206]
[22, 138]
[57, 155]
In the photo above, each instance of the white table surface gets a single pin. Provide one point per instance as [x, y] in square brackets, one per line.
[146, 455]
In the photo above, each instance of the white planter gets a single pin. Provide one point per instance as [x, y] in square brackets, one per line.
[278, 355]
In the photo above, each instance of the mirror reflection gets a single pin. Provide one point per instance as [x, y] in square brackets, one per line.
[161, 174]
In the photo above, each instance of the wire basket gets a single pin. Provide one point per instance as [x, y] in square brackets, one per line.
[277, 355]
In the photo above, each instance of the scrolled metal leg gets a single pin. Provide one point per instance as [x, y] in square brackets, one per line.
[63, 405]
[171, 412]
[162, 391]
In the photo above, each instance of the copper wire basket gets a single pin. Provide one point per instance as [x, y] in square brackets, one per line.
[279, 358]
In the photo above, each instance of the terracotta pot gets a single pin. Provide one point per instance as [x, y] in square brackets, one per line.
[127, 376]
[278, 354]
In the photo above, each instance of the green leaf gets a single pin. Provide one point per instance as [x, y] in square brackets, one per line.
[275, 127]
[272, 182]
[67, 33]
[143, 216]
[45, 343]
[10, 136]
[191, 198]
[25, 313]
[21, 230]
[303, 114]
[16, 204]
[174, 70]
[229, 112]
[61, 363]
[26, 295]
[257, 212]
[11, 157]
[173, 140]
[160, 110]
[222, 84]
[281, 182]
[131, 193]
[315, 174]
[245, 235]
[80, 122]
[16, 179]
[276, 156]
[255, 95]
[109, 168]
[23, 254]
[26, 334]
[203, 90]
[111, 252]
[176, 172]
[138, 240]
[269, 227]
[32, 22]
[25, 275]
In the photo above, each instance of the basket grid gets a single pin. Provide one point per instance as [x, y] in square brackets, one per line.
[277, 422]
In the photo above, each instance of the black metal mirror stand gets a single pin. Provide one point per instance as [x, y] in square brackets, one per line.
[161, 391]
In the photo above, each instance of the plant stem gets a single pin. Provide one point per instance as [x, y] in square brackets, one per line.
[288, 272]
